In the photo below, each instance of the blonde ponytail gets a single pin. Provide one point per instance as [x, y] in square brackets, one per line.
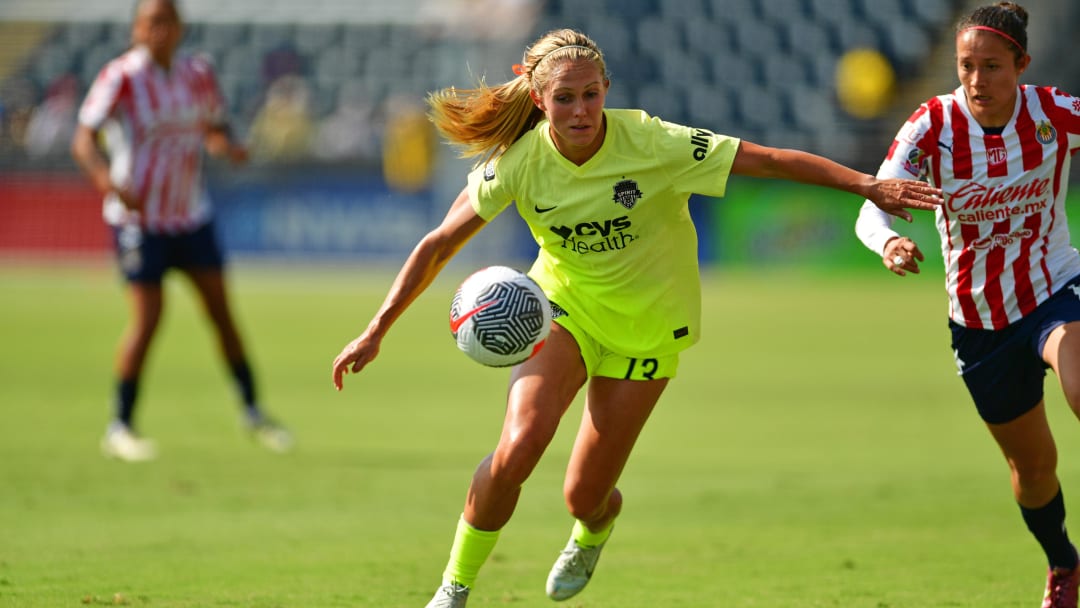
[485, 121]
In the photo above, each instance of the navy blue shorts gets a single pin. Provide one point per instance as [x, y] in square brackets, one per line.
[145, 257]
[1004, 369]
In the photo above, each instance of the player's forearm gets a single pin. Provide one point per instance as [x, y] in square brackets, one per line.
[427, 259]
[86, 155]
[415, 276]
[219, 143]
[802, 167]
[874, 227]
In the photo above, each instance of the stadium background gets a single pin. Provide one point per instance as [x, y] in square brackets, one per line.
[329, 95]
[786, 485]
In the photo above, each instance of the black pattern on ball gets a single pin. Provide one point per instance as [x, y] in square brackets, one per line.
[512, 323]
[499, 316]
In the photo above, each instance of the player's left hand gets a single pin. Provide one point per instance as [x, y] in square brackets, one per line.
[896, 196]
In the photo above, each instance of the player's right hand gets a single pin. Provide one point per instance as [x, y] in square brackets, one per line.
[901, 256]
[354, 357]
[128, 197]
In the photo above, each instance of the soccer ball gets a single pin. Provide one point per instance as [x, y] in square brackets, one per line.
[499, 316]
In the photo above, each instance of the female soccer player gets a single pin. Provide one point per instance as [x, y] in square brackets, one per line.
[605, 194]
[1000, 152]
[156, 111]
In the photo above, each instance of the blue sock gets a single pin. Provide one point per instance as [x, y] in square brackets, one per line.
[126, 391]
[1047, 524]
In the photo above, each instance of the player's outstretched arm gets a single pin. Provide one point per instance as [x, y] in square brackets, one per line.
[219, 142]
[893, 196]
[422, 266]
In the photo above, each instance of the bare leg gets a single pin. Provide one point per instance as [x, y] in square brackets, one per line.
[615, 413]
[145, 302]
[541, 390]
[210, 285]
[1029, 448]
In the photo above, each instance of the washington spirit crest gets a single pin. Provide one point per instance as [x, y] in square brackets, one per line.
[627, 193]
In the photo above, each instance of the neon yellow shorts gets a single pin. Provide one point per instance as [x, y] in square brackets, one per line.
[600, 361]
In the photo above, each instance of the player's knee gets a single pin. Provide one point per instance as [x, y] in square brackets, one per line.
[589, 503]
[1035, 471]
[515, 459]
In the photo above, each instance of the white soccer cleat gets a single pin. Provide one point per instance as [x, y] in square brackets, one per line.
[450, 595]
[272, 436]
[122, 443]
[572, 570]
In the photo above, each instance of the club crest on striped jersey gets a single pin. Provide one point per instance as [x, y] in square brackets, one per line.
[627, 193]
[1045, 133]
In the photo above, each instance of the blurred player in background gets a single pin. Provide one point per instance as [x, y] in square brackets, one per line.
[605, 194]
[1000, 151]
[155, 111]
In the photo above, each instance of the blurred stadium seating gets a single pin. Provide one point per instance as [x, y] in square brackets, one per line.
[759, 69]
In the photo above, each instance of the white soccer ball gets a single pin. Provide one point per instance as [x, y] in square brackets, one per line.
[499, 316]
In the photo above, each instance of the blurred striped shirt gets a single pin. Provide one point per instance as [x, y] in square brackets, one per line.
[153, 122]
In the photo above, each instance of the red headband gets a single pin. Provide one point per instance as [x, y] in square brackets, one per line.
[987, 28]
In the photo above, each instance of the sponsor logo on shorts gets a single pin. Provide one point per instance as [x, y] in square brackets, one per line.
[959, 362]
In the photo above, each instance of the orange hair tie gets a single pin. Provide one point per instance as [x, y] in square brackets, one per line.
[518, 69]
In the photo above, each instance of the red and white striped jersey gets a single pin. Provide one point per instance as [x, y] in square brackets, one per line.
[1004, 236]
[153, 122]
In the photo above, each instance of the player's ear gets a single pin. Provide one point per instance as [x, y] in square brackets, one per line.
[538, 101]
[1023, 63]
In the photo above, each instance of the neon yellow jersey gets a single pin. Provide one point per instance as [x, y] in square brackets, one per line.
[618, 250]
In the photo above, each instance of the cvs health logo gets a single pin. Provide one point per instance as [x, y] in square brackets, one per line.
[596, 236]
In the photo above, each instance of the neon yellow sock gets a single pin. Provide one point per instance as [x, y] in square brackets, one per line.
[470, 550]
[587, 538]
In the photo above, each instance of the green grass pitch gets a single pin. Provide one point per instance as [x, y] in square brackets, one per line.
[816, 450]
